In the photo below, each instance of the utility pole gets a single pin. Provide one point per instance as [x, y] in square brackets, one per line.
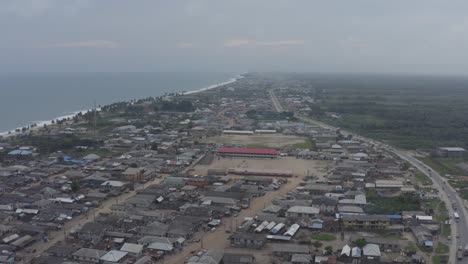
[95, 120]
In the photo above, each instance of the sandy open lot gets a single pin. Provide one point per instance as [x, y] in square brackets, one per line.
[219, 238]
[257, 140]
[300, 167]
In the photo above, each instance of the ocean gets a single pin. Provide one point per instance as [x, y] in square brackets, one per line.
[36, 97]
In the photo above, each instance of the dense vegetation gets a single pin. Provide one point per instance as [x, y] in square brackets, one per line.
[411, 112]
[391, 205]
[49, 144]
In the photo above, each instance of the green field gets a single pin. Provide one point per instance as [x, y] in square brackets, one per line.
[422, 178]
[445, 165]
[442, 248]
[324, 237]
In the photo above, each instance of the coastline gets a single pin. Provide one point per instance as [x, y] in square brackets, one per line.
[40, 124]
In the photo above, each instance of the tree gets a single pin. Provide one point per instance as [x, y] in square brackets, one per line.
[75, 186]
[328, 250]
[154, 146]
[360, 242]
[317, 245]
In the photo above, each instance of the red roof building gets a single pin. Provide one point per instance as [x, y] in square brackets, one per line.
[248, 152]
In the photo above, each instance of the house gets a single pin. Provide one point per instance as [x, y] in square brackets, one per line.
[385, 244]
[141, 200]
[247, 240]
[235, 258]
[287, 250]
[317, 189]
[114, 185]
[365, 222]
[301, 259]
[64, 251]
[114, 256]
[371, 252]
[302, 212]
[89, 255]
[131, 248]
[325, 204]
[91, 232]
[133, 174]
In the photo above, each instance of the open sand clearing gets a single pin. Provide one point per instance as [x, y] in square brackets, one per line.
[258, 140]
[300, 167]
[219, 239]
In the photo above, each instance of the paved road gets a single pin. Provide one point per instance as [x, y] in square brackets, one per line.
[448, 194]
[275, 101]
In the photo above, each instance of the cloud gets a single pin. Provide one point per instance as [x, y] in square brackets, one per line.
[183, 45]
[237, 42]
[281, 42]
[356, 43]
[244, 42]
[103, 44]
[32, 8]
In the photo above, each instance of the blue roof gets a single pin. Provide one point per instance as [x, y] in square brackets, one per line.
[316, 226]
[20, 152]
[394, 216]
[70, 159]
[428, 244]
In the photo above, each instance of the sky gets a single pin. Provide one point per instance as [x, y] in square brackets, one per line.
[382, 36]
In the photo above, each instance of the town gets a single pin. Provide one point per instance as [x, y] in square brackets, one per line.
[235, 174]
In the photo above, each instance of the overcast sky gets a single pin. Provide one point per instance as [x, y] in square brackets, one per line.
[409, 36]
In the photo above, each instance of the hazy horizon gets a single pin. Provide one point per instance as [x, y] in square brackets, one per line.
[421, 37]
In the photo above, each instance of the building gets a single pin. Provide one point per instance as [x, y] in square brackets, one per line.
[238, 132]
[450, 152]
[234, 258]
[287, 250]
[261, 172]
[247, 240]
[365, 222]
[302, 212]
[89, 255]
[325, 204]
[248, 152]
[371, 251]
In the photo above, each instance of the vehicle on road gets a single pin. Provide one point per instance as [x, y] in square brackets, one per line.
[456, 216]
[459, 253]
[465, 252]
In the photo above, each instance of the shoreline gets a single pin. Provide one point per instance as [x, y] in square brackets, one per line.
[40, 124]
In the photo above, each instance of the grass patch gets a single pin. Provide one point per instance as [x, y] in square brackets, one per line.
[392, 205]
[442, 248]
[422, 178]
[307, 144]
[445, 165]
[323, 237]
[439, 259]
[257, 145]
